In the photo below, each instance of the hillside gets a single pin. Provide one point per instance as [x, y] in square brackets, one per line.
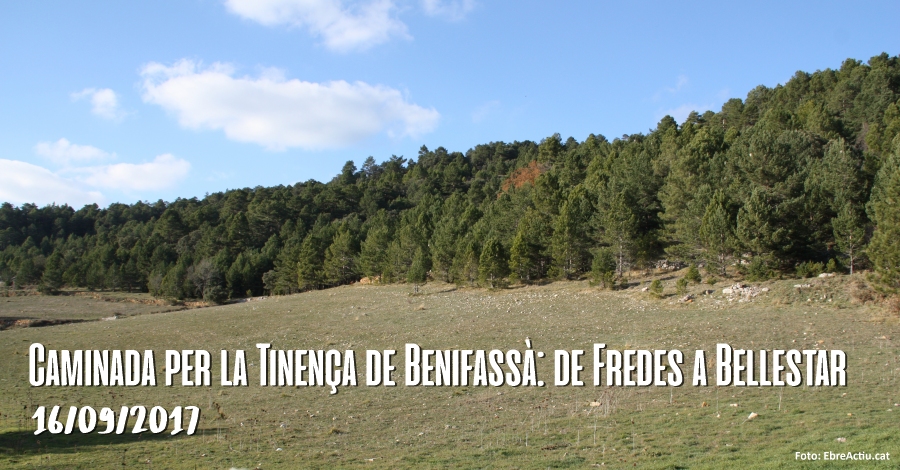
[524, 427]
[798, 178]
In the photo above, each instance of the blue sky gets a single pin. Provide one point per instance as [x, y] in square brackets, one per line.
[108, 101]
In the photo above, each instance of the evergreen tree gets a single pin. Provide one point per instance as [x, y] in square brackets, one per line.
[620, 230]
[569, 243]
[884, 210]
[340, 258]
[849, 233]
[418, 270]
[52, 279]
[603, 267]
[525, 253]
[492, 265]
[373, 257]
[717, 231]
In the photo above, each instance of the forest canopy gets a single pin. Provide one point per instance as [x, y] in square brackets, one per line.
[789, 180]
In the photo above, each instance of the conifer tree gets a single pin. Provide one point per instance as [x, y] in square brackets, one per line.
[717, 231]
[492, 265]
[884, 210]
[849, 233]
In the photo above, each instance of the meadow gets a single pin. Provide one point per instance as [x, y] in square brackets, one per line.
[472, 427]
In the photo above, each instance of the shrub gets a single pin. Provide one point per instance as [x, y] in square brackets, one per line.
[603, 268]
[809, 269]
[656, 288]
[834, 266]
[758, 270]
[711, 280]
[693, 274]
[215, 294]
[681, 286]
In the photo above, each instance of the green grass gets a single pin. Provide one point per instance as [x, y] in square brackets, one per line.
[478, 427]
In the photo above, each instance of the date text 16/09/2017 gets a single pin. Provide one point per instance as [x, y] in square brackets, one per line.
[156, 420]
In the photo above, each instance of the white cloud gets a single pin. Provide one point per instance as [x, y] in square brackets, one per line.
[450, 9]
[278, 113]
[165, 171]
[358, 26]
[22, 182]
[104, 102]
[64, 152]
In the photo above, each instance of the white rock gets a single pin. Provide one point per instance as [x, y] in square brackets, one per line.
[727, 290]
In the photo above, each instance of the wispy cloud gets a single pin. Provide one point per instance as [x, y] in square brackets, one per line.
[451, 9]
[484, 111]
[165, 171]
[63, 152]
[342, 28]
[22, 182]
[681, 82]
[277, 113]
[104, 102]
[77, 183]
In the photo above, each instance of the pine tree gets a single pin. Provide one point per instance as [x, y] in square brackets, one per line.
[849, 233]
[492, 265]
[603, 267]
[418, 269]
[522, 257]
[569, 243]
[620, 230]
[373, 256]
[717, 231]
[884, 210]
[52, 278]
[340, 259]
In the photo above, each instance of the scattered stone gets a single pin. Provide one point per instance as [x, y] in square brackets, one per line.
[752, 416]
[687, 298]
[826, 275]
[802, 286]
[745, 292]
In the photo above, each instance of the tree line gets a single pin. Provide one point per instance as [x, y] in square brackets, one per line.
[794, 179]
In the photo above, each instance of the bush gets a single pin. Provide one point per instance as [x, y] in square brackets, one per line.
[656, 288]
[681, 286]
[834, 266]
[215, 294]
[711, 280]
[758, 270]
[603, 268]
[693, 274]
[809, 269]
[605, 280]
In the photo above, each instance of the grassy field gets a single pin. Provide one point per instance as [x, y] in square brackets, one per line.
[474, 427]
[18, 311]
